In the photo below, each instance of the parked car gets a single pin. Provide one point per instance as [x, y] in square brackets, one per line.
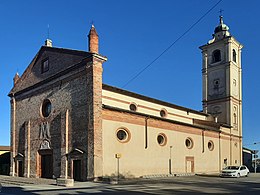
[234, 171]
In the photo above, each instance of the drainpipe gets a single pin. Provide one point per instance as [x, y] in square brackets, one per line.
[230, 149]
[146, 133]
[203, 139]
[220, 160]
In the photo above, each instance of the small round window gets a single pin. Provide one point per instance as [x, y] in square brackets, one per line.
[161, 139]
[210, 145]
[123, 135]
[189, 143]
[46, 108]
[163, 113]
[133, 107]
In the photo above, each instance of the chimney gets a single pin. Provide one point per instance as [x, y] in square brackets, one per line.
[48, 43]
[93, 40]
[16, 78]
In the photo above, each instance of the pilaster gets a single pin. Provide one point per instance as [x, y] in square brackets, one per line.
[64, 144]
[27, 161]
[94, 106]
[13, 145]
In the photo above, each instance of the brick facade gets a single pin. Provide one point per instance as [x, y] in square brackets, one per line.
[73, 85]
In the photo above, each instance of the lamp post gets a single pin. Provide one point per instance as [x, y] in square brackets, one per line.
[255, 157]
[170, 161]
[118, 156]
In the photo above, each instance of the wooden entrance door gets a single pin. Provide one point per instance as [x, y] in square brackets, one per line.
[47, 168]
[20, 168]
[77, 170]
[189, 164]
[46, 164]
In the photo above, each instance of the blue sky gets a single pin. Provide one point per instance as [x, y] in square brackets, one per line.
[132, 34]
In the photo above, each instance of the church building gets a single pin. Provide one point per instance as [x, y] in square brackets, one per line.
[66, 123]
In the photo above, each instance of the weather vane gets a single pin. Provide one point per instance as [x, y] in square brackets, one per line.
[48, 31]
[92, 22]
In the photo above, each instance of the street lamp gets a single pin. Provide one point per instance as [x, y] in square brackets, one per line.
[255, 157]
[170, 161]
[254, 152]
[118, 156]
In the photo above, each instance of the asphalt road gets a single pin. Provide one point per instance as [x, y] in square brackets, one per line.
[175, 185]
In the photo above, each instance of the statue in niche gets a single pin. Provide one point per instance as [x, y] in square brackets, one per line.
[45, 131]
[45, 145]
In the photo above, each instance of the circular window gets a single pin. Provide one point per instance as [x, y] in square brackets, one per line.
[161, 139]
[133, 107]
[163, 113]
[210, 145]
[46, 108]
[123, 135]
[189, 143]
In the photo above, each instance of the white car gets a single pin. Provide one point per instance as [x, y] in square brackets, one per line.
[235, 171]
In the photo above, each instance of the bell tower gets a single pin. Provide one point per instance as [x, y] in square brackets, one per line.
[221, 70]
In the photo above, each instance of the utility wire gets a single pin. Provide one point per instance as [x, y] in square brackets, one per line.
[189, 29]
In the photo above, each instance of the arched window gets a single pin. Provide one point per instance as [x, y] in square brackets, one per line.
[234, 56]
[216, 56]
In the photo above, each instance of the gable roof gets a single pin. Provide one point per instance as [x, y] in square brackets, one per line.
[24, 81]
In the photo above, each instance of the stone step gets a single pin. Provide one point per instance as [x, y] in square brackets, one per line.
[11, 183]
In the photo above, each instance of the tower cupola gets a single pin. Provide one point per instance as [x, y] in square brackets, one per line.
[221, 31]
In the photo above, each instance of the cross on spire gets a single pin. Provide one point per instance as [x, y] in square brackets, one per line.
[220, 16]
[220, 12]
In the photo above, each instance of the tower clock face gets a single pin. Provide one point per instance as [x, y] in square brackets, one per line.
[216, 84]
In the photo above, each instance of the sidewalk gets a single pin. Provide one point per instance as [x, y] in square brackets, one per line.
[20, 181]
[254, 175]
[217, 175]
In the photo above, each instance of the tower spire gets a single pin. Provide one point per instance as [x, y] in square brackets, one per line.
[16, 78]
[93, 39]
